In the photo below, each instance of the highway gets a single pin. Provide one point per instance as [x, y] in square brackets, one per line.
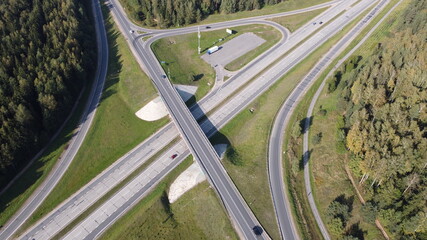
[335, 29]
[282, 119]
[85, 122]
[306, 157]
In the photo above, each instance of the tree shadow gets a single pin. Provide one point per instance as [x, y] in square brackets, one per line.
[197, 77]
[305, 158]
[355, 231]
[305, 124]
[346, 201]
[115, 64]
[167, 207]
[37, 169]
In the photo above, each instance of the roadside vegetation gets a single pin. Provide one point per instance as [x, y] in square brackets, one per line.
[333, 166]
[183, 63]
[246, 158]
[198, 214]
[35, 98]
[115, 129]
[293, 22]
[168, 13]
[268, 33]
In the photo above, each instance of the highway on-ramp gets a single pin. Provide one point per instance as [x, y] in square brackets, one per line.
[223, 121]
[49, 183]
[280, 123]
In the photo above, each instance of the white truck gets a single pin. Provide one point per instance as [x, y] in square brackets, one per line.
[213, 49]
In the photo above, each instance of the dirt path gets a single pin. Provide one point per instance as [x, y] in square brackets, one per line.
[359, 195]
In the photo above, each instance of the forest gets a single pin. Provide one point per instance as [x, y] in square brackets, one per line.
[384, 101]
[167, 13]
[47, 53]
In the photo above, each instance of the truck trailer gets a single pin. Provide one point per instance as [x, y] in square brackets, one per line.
[213, 49]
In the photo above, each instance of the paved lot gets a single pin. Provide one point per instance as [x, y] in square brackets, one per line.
[233, 49]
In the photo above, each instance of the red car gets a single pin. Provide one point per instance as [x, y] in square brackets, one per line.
[174, 156]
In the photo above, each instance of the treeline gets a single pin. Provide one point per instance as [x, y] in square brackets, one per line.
[384, 99]
[166, 13]
[46, 51]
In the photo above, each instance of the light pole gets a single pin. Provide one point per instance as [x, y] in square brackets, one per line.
[198, 36]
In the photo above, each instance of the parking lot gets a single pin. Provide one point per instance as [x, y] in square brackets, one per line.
[233, 49]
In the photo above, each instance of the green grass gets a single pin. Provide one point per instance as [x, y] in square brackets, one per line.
[293, 22]
[249, 147]
[270, 9]
[115, 129]
[328, 176]
[113, 191]
[198, 214]
[185, 65]
[268, 33]
[13, 198]
[284, 6]
[19, 192]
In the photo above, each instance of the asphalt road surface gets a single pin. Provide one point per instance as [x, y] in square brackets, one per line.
[280, 124]
[93, 233]
[310, 113]
[46, 187]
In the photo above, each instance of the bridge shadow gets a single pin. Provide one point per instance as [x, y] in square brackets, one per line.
[215, 136]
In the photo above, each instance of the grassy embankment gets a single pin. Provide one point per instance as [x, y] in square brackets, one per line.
[186, 66]
[25, 185]
[246, 159]
[115, 129]
[329, 180]
[198, 214]
[271, 35]
[293, 22]
[284, 6]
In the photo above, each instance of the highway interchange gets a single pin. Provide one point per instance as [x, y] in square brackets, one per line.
[192, 134]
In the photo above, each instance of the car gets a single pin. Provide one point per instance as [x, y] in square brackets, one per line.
[131, 31]
[257, 230]
[174, 156]
[208, 27]
[163, 76]
[320, 22]
[314, 23]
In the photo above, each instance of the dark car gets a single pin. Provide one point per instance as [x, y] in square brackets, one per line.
[257, 230]
[174, 156]
[320, 22]
[208, 27]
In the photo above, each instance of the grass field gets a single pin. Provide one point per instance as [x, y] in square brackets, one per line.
[329, 176]
[185, 65]
[269, 9]
[329, 180]
[246, 160]
[271, 35]
[293, 22]
[198, 214]
[12, 199]
[115, 129]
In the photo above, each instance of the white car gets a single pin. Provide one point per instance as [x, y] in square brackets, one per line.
[131, 31]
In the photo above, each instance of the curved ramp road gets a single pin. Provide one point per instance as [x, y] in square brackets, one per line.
[280, 123]
[310, 113]
[46, 187]
[116, 6]
[55, 220]
[96, 217]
